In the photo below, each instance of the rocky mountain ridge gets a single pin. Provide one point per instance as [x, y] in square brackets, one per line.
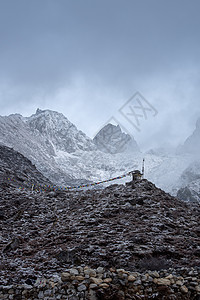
[58, 132]
[118, 226]
[79, 240]
[18, 171]
[192, 143]
[67, 156]
[190, 178]
[59, 150]
[111, 139]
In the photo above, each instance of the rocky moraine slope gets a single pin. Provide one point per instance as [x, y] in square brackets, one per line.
[17, 170]
[134, 227]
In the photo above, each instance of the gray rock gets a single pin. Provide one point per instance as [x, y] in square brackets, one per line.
[112, 140]
[81, 288]
[41, 295]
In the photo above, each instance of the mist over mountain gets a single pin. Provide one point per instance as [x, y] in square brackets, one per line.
[77, 222]
[190, 177]
[59, 150]
[111, 139]
[67, 156]
[192, 143]
[67, 236]
[17, 133]
[58, 132]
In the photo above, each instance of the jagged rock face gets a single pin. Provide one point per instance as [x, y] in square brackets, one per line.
[111, 139]
[188, 195]
[19, 169]
[191, 173]
[120, 226]
[60, 151]
[192, 143]
[59, 132]
[47, 138]
[190, 179]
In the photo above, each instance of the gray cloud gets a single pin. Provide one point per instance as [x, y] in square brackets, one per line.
[80, 56]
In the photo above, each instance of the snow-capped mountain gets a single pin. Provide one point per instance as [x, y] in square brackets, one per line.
[41, 137]
[190, 183]
[16, 133]
[111, 139]
[58, 132]
[67, 156]
[190, 178]
[58, 149]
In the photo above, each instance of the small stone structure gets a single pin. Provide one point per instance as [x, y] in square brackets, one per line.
[136, 175]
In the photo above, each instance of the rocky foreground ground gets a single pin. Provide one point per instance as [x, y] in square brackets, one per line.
[121, 230]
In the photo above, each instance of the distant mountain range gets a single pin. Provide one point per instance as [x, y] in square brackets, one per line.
[66, 156]
[59, 150]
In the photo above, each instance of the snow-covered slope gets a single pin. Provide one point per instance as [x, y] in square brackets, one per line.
[58, 149]
[41, 137]
[67, 156]
[58, 132]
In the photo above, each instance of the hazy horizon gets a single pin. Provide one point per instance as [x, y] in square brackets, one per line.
[87, 59]
[167, 146]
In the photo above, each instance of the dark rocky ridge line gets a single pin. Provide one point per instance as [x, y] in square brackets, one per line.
[136, 227]
[60, 151]
[19, 169]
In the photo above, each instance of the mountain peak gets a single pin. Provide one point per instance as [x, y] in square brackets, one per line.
[192, 143]
[59, 131]
[111, 139]
[47, 112]
[38, 111]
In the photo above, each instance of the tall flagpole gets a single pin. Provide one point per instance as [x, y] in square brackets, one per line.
[143, 168]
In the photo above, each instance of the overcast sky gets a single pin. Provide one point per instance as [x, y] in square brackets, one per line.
[87, 58]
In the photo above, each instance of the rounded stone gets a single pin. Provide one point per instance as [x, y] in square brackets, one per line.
[65, 276]
[104, 285]
[162, 281]
[155, 274]
[81, 288]
[80, 278]
[93, 286]
[107, 280]
[74, 272]
[179, 282]
[90, 272]
[100, 270]
[131, 278]
[197, 288]
[184, 289]
[96, 280]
